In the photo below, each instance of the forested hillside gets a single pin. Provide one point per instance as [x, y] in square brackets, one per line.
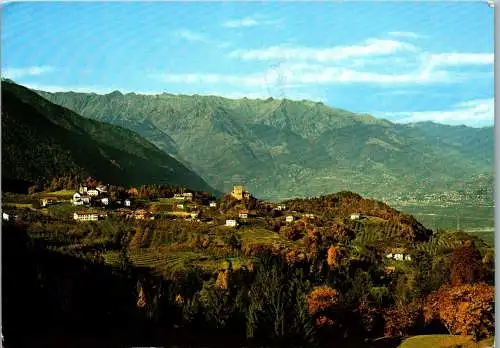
[41, 140]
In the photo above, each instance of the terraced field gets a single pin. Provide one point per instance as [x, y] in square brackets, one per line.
[252, 235]
[176, 260]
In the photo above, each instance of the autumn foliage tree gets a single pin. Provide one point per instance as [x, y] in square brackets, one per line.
[466, 264]
[464, 309]
[332, 257]
[400, 320]
[321, 304]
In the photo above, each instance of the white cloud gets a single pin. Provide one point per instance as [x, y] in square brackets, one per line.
[477, 111]
[405, 34]
[287, 74]
[193, 36]
[457, 59]
[370, 47]
[243, 22]
[247, 22]
[15, 73]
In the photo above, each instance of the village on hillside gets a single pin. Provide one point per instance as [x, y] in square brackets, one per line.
[175, 234]
[92, 203]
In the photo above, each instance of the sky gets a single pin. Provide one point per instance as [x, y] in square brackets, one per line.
[402, 61]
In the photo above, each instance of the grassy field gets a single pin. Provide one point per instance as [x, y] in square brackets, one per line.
[66, 193]
[19, 205]
[445, 341]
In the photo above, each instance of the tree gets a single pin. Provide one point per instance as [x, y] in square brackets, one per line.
[321, 304]
[401, 319]
[466, 309]
[466, 264]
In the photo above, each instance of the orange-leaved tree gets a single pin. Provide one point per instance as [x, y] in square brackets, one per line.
[332, 256]
[464, 309]
[321, 304]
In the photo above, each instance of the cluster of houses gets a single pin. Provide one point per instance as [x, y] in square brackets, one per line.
[99, 196]
[399, 254]
[188, 196]
[86, 195]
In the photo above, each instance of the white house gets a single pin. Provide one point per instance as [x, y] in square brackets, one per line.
[188, 196]
[243, 215]
[76, 196]
[231, 223]
[105, 200]
[5, 216]
[127, 202]
[101, 189]
[213, 204]
[399, 254]
[83, 189]
[85, 199]
[281, 207]
[289, 218]
[179, 196]
[355, 216]
[310, 216]
[180, 206]
[86, 216]
[93, 192]
[79, 202]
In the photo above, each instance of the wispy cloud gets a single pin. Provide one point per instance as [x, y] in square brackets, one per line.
[371, 47]
[406, 34]
[389, 63]
[197, 37]
[304, 74]
[457, 59]
[247, 22]
[477, 111]
[15, 73]
[242, 22]
[192, 36]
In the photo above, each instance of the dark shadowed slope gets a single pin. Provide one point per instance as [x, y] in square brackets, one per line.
[41, 140]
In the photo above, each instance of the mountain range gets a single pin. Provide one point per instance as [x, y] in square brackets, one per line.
[41, 140]
[279, 148]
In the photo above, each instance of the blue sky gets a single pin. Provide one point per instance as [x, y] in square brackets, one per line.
[403, 61]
